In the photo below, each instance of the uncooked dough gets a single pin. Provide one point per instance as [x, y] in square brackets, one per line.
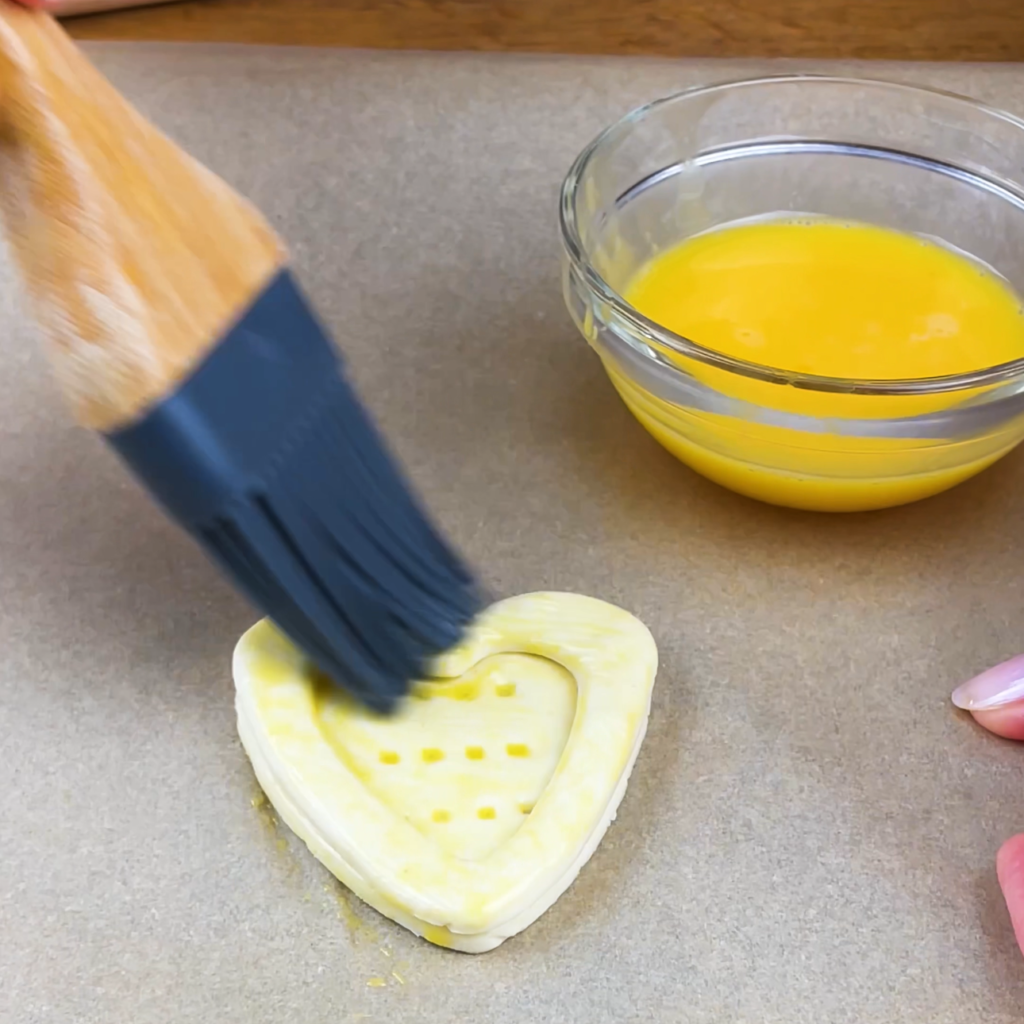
[466, 814]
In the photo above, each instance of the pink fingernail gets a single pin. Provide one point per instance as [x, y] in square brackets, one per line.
[995, 687]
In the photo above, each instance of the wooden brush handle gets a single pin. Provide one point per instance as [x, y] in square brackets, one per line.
[137, 257]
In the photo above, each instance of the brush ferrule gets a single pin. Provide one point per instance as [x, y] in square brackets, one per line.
[215, 439]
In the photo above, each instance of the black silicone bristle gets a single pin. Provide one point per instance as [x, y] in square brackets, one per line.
[267, 456]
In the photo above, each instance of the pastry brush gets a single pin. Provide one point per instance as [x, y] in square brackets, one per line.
[177, 332]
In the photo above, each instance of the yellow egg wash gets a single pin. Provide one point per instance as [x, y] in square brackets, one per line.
[834, 299]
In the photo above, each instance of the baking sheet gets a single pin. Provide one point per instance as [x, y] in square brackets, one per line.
[810, 832]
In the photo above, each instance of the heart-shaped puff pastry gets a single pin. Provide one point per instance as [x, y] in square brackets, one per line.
[466, 814]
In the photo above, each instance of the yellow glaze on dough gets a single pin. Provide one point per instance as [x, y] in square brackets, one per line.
[465, 815]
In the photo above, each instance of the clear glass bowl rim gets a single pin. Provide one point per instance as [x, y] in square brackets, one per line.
[653, 332]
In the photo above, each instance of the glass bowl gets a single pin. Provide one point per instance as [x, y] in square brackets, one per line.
[913, 159]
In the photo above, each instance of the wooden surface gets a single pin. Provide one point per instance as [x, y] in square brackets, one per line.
[899, 29]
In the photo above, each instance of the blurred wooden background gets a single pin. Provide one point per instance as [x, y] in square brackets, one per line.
[901, 29]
